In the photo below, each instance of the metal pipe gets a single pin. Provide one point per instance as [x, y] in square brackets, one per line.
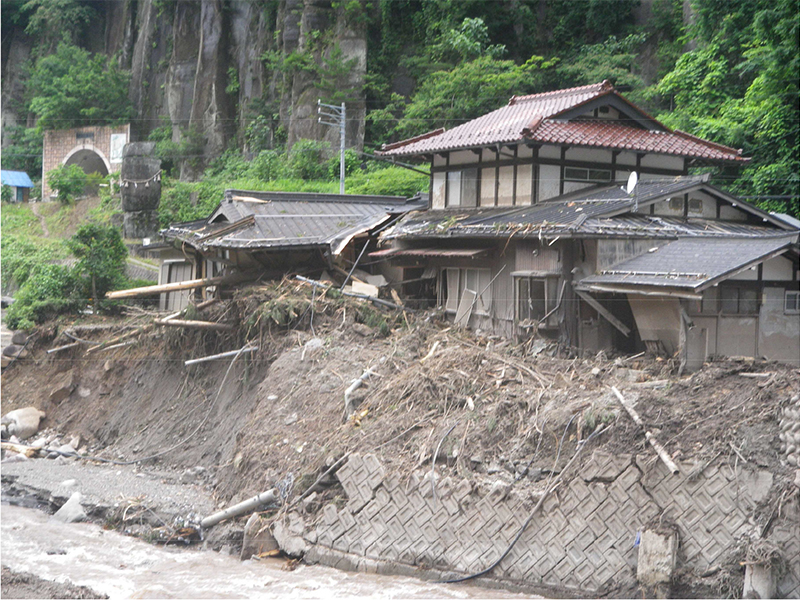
[195, 361]
[241, 508]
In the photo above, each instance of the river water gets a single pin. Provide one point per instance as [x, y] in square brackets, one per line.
[125, 567]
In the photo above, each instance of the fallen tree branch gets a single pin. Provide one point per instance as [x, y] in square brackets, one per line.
[330, 470]
[185, 285]
[660, 450]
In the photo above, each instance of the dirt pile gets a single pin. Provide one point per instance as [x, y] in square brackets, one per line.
[278, 415]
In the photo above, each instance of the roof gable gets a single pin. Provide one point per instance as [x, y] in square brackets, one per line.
[566, 117]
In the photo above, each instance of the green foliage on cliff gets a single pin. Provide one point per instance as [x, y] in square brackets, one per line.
[71, 88]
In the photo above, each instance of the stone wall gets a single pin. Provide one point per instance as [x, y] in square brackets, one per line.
[62, 144]
[582, 542]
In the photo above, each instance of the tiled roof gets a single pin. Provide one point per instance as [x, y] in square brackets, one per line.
[608, 134]
[607, 211]
[691, 262]
[534, 118]
[273, 220]
[16, 179]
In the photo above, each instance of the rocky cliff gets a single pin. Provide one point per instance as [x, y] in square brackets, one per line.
[202, 65]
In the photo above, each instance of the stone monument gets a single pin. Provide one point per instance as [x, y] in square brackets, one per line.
[140, 185]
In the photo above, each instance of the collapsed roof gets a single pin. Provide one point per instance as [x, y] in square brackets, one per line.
[275, 221]
[608, 211]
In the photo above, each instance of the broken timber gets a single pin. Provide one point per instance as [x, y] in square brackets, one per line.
[381, 301]
[183, 285]
[605, 313]
[660, 450]
[209, 325]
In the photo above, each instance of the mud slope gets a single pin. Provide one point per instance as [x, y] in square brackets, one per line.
[486, 403]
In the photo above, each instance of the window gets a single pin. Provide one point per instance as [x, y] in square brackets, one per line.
[791, 303]
[738, 300]
[695, 205]
[455, 281]
[535, 296]
[462, 188]
[576, 174]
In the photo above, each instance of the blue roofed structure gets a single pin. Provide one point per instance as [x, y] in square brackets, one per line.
[19, 182]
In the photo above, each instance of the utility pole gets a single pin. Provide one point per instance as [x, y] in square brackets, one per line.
[337, 116]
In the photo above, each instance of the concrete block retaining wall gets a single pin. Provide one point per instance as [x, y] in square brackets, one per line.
[581, 542]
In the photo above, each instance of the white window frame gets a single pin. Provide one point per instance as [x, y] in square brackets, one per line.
[585, 174]
[550, 283]
[795, 294]
[457, 280]
[458, 184]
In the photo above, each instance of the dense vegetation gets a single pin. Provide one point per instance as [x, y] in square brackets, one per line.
[730, 74]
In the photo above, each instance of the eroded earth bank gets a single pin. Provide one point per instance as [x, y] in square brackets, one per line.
[456, 454]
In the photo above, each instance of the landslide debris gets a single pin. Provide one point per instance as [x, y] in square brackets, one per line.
[495, 408]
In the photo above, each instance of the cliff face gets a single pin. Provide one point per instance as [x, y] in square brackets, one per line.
[200, 65]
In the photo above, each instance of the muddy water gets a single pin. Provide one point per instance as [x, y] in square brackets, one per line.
[124, 567]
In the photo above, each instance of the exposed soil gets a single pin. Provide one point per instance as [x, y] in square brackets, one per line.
[27, 585]
[277, 416]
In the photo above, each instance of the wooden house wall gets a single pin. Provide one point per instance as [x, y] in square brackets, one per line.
[519, 175]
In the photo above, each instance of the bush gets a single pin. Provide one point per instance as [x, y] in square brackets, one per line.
[47, 292]
[306, 160]
[101, 256]
[68, 181]
[391, 181]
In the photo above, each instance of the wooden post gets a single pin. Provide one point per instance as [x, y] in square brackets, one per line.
[660, 450]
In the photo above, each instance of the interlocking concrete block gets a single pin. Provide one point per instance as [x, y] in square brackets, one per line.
[405, 513]
[475, 522]
[388, 511]
[462, 490]
[329, 514]
[422, 516]
[346, 519]
[391, 483]
[356, 503]
[416, 500]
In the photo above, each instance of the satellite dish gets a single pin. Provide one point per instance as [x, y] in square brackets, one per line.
[632, 180]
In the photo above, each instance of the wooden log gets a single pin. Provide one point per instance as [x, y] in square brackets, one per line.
[164, 288]
[121, 338]
[195, 361]
[197, 325]
[184, 285]
[65, 347]
[660, 450]
[27, 451]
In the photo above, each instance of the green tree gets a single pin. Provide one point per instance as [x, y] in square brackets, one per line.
[740, 88]
[101, 256]
[448, 98]
[68, 181]
[71, 89]
[55, 21]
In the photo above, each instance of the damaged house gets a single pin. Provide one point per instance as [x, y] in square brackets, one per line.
[531, 228]
[275, 233]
